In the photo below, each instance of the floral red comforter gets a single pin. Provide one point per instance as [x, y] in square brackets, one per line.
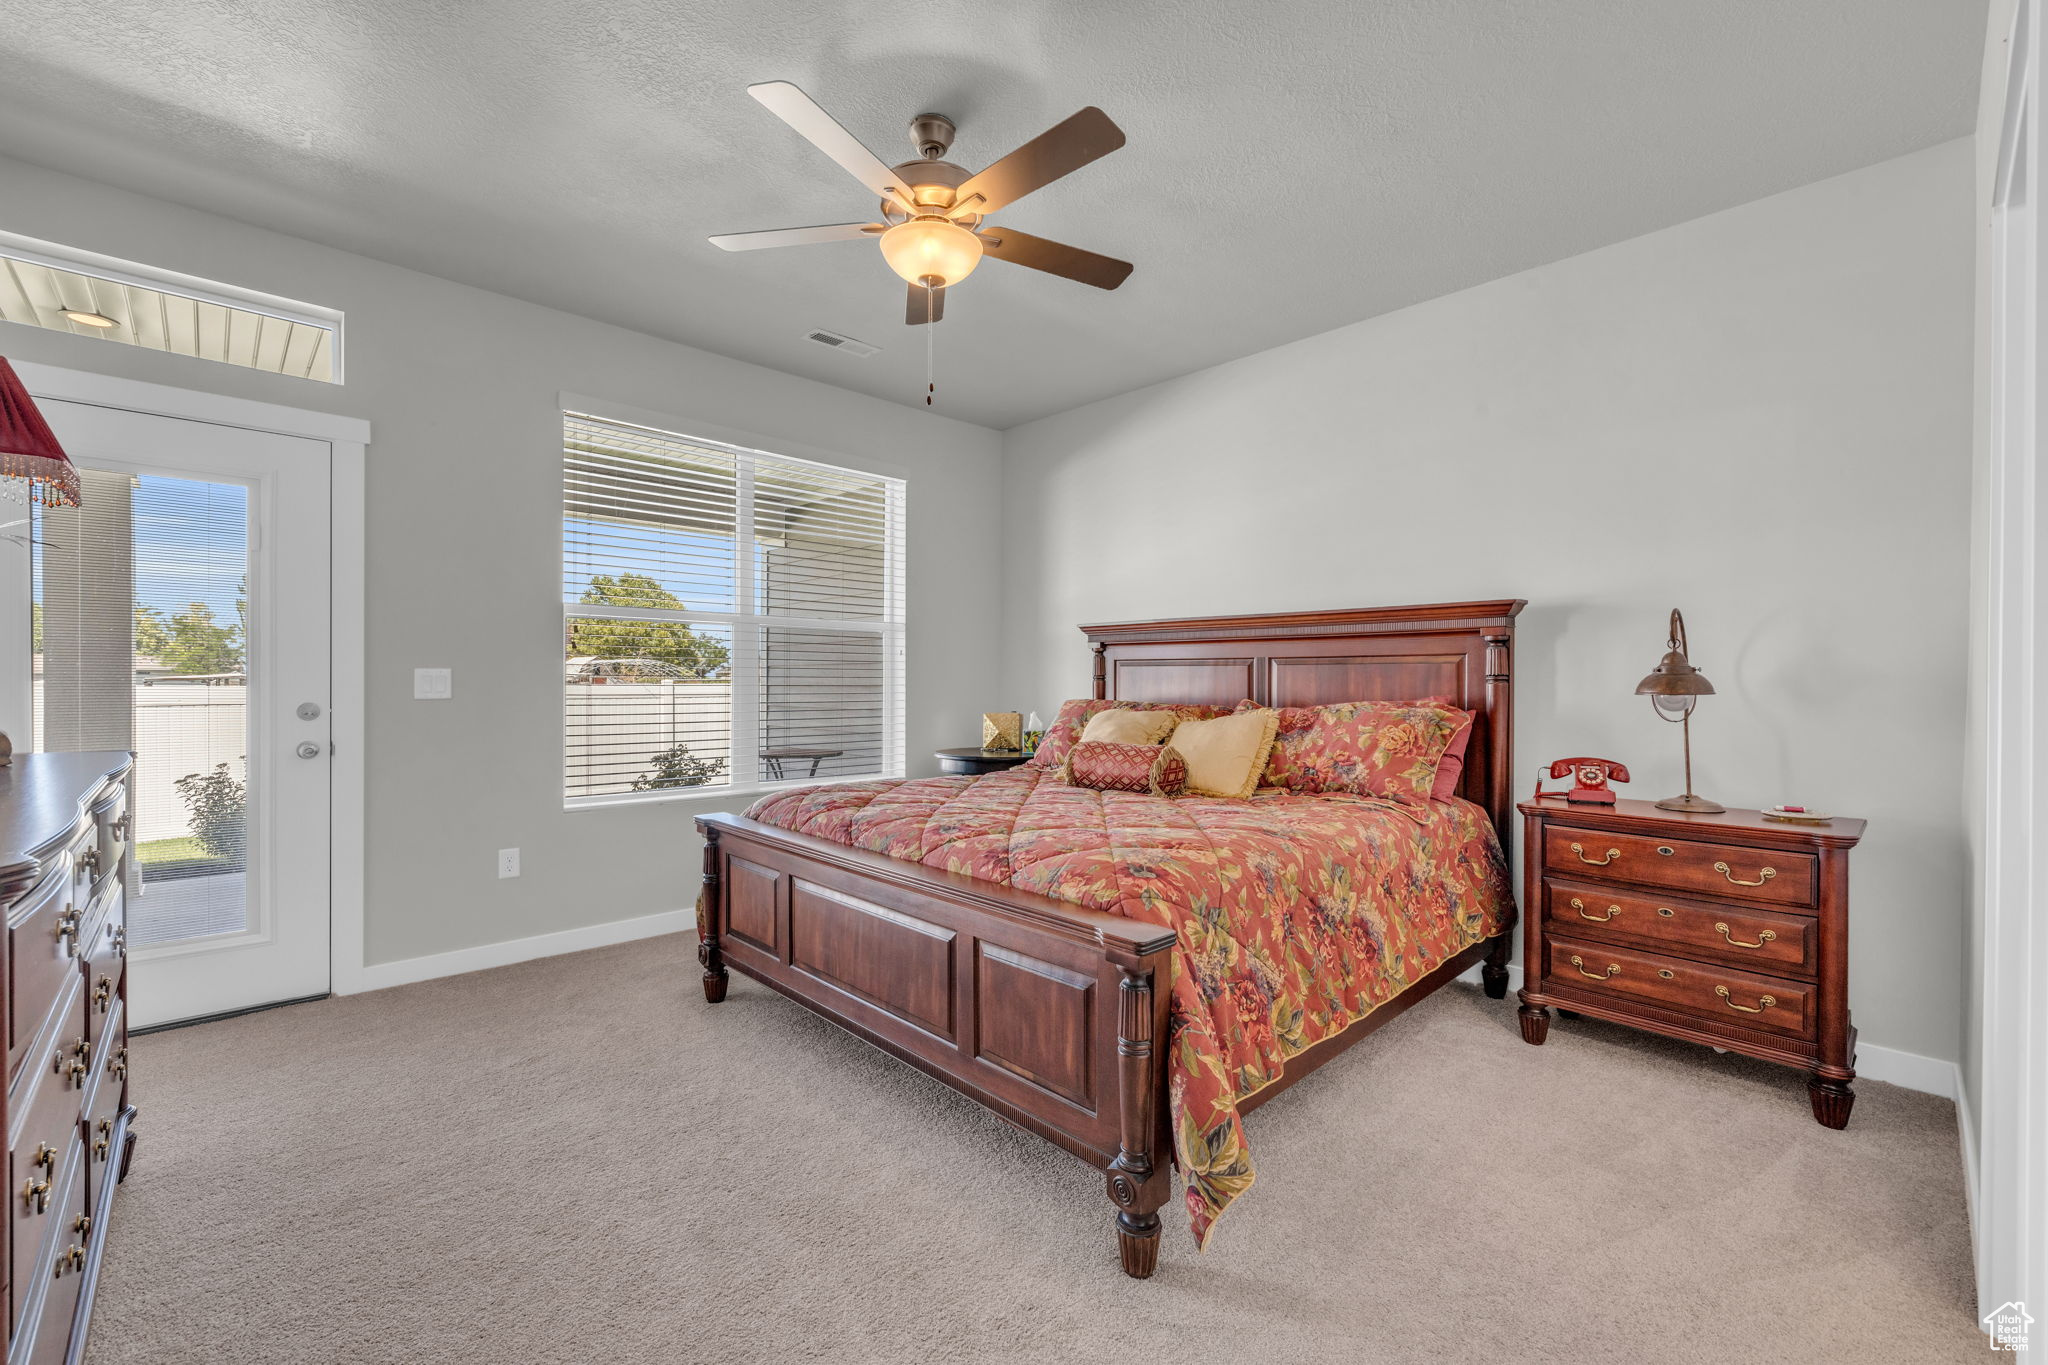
[1297, 914]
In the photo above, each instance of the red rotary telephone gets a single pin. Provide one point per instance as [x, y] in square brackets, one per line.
[1590, 775]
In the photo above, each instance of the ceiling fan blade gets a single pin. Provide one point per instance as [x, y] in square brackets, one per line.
[1059, 150]
[1054, 258]
[920, 308]
[802, 113]
[803, 236]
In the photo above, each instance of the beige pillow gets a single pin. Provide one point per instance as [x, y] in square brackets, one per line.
[1126, 725]
[1226, 756]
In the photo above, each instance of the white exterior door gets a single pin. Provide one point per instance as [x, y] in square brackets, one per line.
[183, 613]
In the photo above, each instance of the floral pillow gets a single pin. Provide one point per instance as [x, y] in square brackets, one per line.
[1074, 716]
[1108, 767]
[1373, 748]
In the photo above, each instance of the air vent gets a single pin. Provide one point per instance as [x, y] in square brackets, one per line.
[850, 345]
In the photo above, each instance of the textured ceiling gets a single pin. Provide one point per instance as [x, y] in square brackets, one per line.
[1292, 167]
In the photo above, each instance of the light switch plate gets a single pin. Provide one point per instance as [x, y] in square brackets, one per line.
[433, 684]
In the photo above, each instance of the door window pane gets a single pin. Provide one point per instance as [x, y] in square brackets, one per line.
[141, 643]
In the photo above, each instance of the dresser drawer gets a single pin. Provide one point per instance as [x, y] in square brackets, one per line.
[109, 1093]
[1776, 876]
[46, 1098]
[41, 957]
[106, 964]
[1720, 994]
[57, 1272]
[1765, 940]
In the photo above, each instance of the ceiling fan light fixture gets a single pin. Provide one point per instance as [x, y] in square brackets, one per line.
[90, 319]
[930, 247]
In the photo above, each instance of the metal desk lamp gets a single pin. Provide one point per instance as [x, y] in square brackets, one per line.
[1674, 687]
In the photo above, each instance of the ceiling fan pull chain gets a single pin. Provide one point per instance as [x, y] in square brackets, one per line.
[930, 306]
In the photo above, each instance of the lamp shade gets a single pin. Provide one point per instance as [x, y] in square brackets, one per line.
[28, 450]
[1674, 675]
[931, 248]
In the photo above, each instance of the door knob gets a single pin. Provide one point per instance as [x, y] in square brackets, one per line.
[308, 749]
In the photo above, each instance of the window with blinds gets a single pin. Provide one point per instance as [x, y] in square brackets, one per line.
[731, 618]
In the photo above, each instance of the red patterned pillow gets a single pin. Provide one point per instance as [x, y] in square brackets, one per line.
[1158, 769]
[1066, 728]
[1452, 765]
[1374, 748]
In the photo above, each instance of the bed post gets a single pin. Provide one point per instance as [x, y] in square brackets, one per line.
[1101, 648]
[1139, 1181]
[1493, 973]
[715, 977]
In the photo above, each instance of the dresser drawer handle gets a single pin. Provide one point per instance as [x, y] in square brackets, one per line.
[1762, 876]
[1580, 906]
[1613, 969]
[1612, 854]
[1763, 1002]
[117, 1065]
[1666, 850]
[1666, 912]
[72, 1258]
[35, 1196]
[67, 928]
[1763, 936]
[103, 993]
[1665, 974]
[100, 1148]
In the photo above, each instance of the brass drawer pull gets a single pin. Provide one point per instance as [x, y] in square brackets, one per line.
[1762, 877]
[1763, 936]
[1666, 849]
[105, 1144]
[82, 1225]
[117, 1065]
[1665, 974]
[1666, 912]
[103, 993]
[118, 828]
[1612, 854]
[45, 1157]
[35, 1196]
[71, 1258]
[1763, 1002]
[1580, 906]
[1613, 969]
[67, 927]
[89, 862]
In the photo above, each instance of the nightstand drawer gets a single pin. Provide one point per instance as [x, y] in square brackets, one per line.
[1775, 875]
[1730, 997]
[1764, 940]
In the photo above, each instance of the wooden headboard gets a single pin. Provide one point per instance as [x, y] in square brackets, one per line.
[1462, 650]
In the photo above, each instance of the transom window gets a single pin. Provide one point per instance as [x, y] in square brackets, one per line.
[731, 618]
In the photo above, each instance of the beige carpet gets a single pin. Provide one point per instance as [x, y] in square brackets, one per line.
[578, 1160]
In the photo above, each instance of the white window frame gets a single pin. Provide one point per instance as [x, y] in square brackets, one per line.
[744, 769]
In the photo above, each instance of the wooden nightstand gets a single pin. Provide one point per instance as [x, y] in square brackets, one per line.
[1728, 929]
[956, 762]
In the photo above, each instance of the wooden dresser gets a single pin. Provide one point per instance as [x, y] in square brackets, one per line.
[63, 863]
[1726, 929]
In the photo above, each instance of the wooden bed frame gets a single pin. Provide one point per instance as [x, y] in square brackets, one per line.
[1051, 1015]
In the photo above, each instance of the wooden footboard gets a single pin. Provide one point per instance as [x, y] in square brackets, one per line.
[1050, 1015]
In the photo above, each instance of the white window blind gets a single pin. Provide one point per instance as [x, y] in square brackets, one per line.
[731, 618]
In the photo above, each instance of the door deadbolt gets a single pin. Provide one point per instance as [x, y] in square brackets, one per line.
[309, 710]
[309, 749]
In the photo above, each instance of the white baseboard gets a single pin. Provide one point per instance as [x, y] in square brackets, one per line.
[379, 975]
[1966, 1130]
[1929, 1075]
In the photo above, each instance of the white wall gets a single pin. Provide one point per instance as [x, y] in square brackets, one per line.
[1762, 417]
[464, 508]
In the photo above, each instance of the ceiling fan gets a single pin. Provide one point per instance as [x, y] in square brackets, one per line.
[935, 227]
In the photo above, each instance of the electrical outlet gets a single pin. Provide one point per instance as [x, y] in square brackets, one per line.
[508, 862]
[433, 684]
